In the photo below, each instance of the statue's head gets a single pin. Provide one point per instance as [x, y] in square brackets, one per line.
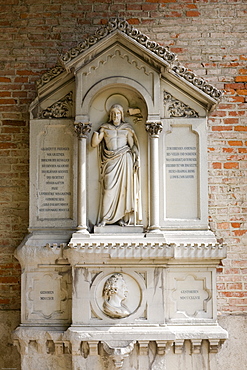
[116, 109]
[115, 285]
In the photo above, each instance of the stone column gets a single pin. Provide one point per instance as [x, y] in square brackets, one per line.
[82, 130]
[154, 129]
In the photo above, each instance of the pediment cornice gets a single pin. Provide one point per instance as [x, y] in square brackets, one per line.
[120, 28]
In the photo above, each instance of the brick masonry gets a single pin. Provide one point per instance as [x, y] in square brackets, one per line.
[209, 37]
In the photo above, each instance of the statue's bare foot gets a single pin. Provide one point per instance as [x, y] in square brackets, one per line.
[101, 224]
[122, 223]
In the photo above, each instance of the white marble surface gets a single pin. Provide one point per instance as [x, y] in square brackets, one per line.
[167, 263]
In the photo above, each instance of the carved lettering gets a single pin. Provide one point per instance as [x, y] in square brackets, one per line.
[47, 292]
[181, 162]
[55, 201]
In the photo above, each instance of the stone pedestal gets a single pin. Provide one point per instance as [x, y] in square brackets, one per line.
[170, 300]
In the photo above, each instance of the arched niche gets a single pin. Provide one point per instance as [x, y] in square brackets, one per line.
[96, 106]
[118, 83]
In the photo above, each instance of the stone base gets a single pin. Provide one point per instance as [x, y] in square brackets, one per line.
[168, 309]
[232, 354]
[119, 347]
[116, 229]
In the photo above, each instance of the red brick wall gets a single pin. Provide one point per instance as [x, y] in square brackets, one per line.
[209, 37]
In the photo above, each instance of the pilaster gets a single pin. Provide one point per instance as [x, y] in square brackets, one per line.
[154, 129]
[82, 130]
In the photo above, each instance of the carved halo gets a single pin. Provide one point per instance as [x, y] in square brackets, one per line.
[116, 99]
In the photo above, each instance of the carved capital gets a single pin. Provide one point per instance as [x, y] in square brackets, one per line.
[83, 129]
[154, 128]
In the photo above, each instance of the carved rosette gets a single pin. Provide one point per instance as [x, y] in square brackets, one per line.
[154, 128]
[176, 108]
[83, 129]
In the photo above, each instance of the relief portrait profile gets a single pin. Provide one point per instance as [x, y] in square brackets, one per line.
[119, 154]
[114, 293]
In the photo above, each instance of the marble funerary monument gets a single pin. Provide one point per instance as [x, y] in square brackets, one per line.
[119, 266]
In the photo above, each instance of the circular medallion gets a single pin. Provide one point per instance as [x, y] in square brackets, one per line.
[118, 295]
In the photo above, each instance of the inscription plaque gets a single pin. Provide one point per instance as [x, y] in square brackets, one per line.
[52, 173]
[48, 296]
[190, 295]
[55, 195]
[181, 173]
[46, 302]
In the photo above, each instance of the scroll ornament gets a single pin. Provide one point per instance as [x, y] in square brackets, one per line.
[61, 109]
[176, 108]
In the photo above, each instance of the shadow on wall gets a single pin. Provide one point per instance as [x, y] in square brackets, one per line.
[9, 355]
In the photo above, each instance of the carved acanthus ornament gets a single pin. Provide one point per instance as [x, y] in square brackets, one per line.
[176, 108]
[83, 129]
[154, 128]
[61, 109]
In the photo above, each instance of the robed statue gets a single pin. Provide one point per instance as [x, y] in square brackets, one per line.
[119, 171]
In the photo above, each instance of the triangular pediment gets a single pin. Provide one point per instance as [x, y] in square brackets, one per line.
[116, 58]
[151, 52]
[119, 33]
